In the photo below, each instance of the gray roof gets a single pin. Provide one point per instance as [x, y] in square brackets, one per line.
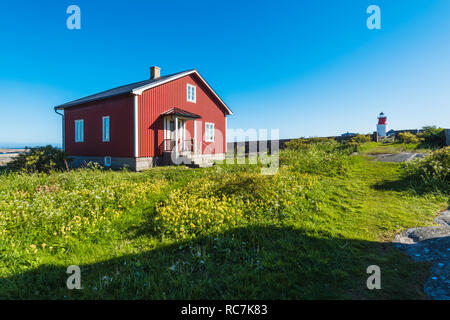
[128, 88]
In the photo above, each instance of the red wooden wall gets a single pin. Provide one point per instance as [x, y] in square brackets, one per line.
[120, 112]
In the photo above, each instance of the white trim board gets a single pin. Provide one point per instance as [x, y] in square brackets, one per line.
[136, 126]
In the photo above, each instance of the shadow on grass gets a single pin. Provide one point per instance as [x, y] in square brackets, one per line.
[413, 185]
[246, 263]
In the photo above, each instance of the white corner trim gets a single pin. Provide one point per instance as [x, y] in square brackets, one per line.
[195, 137]
[136, 126]
[226, 144]
[63, 132]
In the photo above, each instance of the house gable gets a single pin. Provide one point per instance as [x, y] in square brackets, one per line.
[191, 73]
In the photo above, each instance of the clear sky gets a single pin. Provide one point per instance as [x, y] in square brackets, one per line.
[308, 68]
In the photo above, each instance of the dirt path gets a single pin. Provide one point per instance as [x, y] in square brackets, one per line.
[431, 244]
[399, 157]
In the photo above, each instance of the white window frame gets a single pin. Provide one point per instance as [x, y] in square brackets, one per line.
[191, 93]
[209, 132]
[107, 161]
[79, 130]
[106, 130]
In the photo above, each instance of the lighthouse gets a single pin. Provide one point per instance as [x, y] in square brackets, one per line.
[382, 125]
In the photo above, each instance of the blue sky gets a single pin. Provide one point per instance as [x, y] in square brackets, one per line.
[308, 68]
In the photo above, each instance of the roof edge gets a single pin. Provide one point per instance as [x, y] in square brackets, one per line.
[139, 90]
[74, 103]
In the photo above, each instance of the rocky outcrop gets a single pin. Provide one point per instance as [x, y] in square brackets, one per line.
[431, 244]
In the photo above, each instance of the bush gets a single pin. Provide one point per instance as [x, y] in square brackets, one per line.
[39, 159]
[353, 144]
[433, 170]
[301, 143]
[433, 136]
[407, 137]
[361, 138]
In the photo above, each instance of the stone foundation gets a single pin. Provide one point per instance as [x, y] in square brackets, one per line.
[135, 164]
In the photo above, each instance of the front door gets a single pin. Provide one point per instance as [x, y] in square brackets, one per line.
[169, 135]
[181, 134]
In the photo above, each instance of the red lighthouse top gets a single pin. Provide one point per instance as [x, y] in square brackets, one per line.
[382, 118]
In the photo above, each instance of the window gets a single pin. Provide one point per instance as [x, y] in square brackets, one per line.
[107, 161]
[191, 94]
[209, 132]
[79, 130]
[105, 129]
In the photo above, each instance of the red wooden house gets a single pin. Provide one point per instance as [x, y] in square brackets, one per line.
[151, 122]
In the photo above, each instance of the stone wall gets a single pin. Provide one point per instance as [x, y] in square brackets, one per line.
[116, 162]
[447, 137]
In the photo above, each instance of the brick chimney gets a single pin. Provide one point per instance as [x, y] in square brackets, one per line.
[155, 72]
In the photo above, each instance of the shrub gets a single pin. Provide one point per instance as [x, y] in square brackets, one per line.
[301, 143]
[433, 136]
[361, 138]
[433, 170]
[407, 137]
[353, 144]
[39, 159]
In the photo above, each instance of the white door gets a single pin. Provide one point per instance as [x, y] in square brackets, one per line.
[181, 134]
[169, 134]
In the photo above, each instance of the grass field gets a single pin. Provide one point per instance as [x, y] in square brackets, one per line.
[227, 232]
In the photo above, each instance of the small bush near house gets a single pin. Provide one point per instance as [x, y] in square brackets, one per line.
[433, 136]
[39, 159]
[407, 137]
[433, 170]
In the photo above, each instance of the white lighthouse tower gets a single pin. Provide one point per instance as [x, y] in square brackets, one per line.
[382, 125]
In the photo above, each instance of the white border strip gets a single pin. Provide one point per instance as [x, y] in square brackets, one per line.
[136, 127]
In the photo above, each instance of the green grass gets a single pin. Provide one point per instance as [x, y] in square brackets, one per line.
[226, 232]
